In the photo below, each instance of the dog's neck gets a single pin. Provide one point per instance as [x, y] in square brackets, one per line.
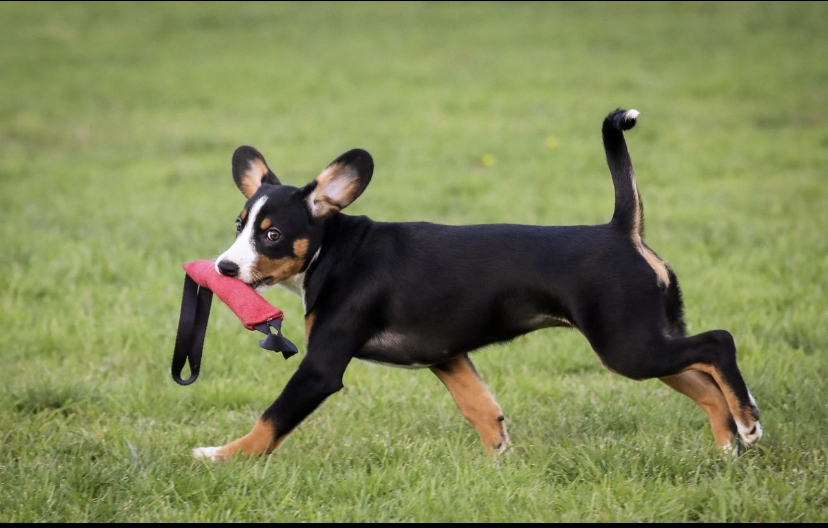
[296, 284]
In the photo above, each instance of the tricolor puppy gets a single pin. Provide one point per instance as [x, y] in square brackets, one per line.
[424, 295]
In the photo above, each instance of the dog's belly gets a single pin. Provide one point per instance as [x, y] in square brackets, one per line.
[401, 350]
[421, 349]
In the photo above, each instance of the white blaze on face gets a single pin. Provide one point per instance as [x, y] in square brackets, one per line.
[243, 251]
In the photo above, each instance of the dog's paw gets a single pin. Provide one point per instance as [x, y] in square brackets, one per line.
[210, 453]
[750, 435]
[503, 449]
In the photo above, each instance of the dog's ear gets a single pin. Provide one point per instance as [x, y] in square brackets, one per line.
[342, 181]
[250, 170]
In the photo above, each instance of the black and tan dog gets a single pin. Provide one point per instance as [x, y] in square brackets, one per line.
[426, 295]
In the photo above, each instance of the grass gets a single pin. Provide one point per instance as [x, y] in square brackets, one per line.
[117, 123]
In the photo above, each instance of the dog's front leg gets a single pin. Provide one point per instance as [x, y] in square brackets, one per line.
[318, 376]
[475, 401]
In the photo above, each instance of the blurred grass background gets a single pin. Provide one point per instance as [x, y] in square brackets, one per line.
[117, 123]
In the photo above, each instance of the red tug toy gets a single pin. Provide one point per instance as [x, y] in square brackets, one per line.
[255, 313]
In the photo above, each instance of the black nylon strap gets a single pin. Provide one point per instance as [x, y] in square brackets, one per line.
[192, 327]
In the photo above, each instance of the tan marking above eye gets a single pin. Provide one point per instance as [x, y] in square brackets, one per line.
[243, 215]
[265, 224]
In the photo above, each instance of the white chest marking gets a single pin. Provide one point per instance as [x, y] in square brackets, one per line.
[296, 283]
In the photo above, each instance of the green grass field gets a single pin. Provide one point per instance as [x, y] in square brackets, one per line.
[117, 124]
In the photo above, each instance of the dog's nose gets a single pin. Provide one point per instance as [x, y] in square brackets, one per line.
[230, 269]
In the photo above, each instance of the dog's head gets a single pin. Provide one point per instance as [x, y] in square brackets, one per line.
[279, 230]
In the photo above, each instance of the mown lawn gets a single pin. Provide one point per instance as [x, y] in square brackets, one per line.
[117, 123]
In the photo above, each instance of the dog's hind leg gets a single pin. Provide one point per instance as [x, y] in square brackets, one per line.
[715, 354]
[475, 401]
[712, 352]
[701, 388]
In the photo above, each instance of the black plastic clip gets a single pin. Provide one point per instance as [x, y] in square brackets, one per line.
[276, 342]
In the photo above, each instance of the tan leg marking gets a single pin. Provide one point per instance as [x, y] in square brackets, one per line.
[475, 402]
[701, 388]
[746, 422]
[259, 441]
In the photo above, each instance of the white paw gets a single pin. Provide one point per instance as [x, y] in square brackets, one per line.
[206, 452]
[752, 435]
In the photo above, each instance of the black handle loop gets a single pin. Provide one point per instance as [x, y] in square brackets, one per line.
[192, 327]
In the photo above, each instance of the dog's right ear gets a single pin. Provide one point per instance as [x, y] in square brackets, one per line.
[250, 171]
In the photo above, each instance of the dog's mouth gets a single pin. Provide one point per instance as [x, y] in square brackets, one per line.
[264, 281]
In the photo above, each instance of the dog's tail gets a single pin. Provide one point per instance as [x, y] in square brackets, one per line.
[629, 211]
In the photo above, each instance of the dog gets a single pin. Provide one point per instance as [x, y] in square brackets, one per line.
[425, 295]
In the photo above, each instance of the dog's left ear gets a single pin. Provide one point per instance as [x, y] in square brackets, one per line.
[342, 181]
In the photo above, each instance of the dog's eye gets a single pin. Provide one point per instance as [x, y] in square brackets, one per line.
[238, 225]
[273, 234]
